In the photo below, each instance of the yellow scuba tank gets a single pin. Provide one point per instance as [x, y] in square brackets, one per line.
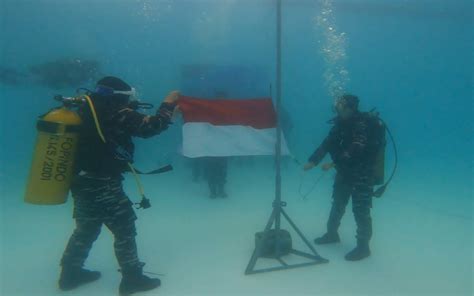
[53, 157]
[378, 142]
[379, 166]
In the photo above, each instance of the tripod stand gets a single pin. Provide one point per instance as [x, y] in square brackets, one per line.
[278, 241]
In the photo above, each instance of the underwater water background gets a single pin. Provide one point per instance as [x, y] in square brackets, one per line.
[412, 60]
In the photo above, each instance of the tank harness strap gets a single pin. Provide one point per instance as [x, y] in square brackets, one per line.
[55, 127]
[161, 170]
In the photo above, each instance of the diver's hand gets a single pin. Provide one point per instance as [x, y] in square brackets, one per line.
[309, 166]
[327, 166]
[172, 97]
[177, 112]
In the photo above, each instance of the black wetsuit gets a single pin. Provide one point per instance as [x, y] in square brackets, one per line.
[349, 144]
[97, 188]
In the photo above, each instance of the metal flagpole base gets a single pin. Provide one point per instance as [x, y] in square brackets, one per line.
[313, 257]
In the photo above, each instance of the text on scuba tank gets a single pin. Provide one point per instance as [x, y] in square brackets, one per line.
[64, 160]
[57, 159]
[48, 163]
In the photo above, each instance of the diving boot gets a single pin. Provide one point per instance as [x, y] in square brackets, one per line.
[221, 192]
[360, 252]
[134, 280]
[328, 238]
[72, 278]
[212, 191]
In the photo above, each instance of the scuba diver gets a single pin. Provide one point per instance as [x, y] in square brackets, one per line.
[97, 189]
[353, 143]
[216, 167]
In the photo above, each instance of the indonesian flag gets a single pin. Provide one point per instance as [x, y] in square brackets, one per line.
[229, 127]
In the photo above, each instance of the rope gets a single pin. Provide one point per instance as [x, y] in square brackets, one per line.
[304, 196]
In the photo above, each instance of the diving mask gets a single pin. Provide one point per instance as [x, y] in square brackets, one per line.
[108, 91]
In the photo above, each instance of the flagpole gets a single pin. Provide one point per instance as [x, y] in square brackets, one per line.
[276, 243]
[278, 108]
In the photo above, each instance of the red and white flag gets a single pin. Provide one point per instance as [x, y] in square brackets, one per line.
[229, 127]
